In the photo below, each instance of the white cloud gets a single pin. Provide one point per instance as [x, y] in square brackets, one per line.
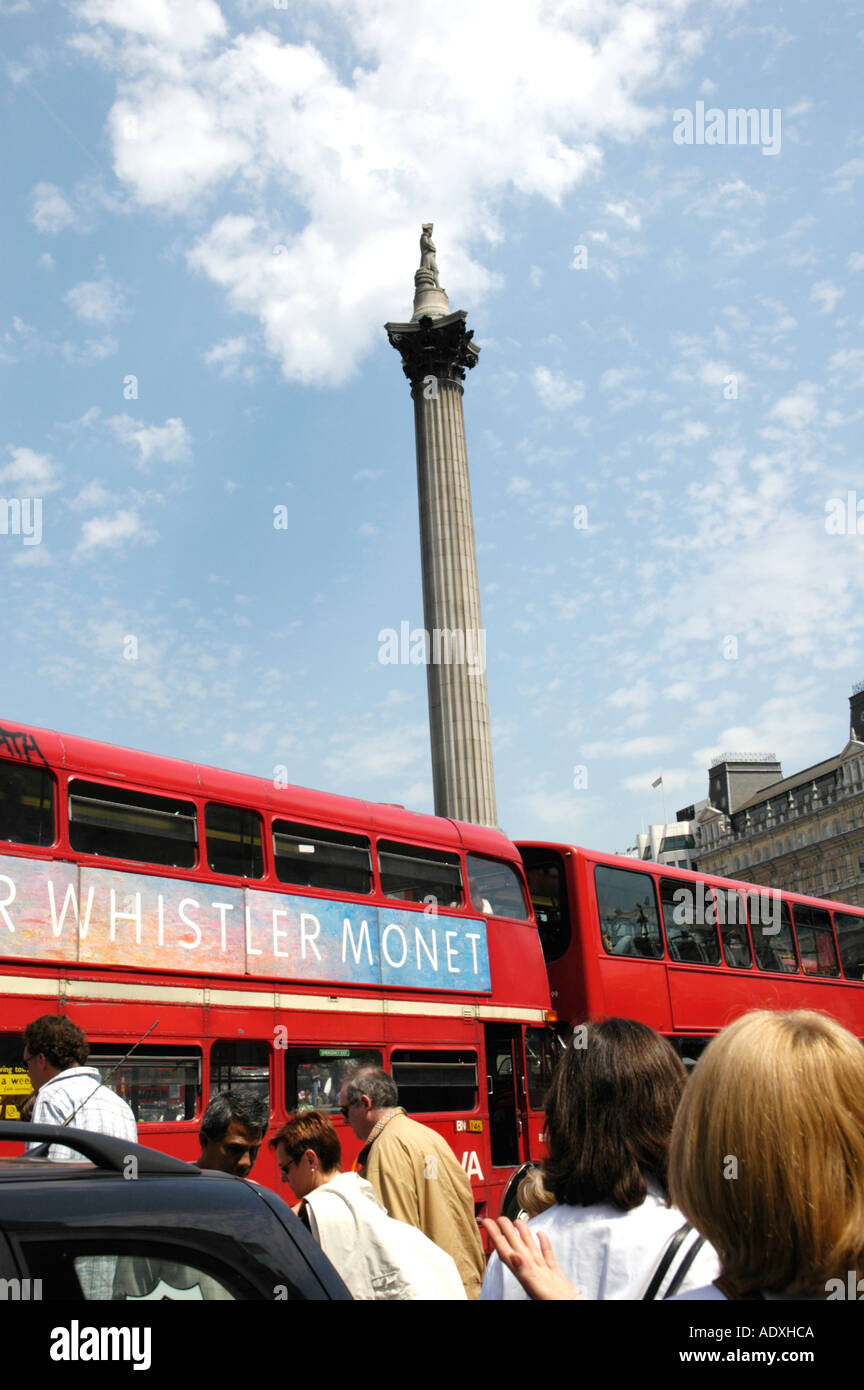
[29, 473]
[96, 301]
[555, 390]
[846, 176]
[227, 357]
[625, 212]
[168, 443]
[518, 487]
[181, 24]
[827, 295]
[113, 532]
[50, 213]
[342, 166]
[856, 260]
[800, 408]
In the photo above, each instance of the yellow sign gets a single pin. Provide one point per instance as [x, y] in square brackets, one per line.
[14, 1080]
[475, 1126]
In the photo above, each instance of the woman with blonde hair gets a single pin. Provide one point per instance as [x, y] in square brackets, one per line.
[767, 1156]
[766, 1162]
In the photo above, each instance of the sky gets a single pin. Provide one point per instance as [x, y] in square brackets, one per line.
[210, 212]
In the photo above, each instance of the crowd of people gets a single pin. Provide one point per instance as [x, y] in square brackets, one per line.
[743, 1180]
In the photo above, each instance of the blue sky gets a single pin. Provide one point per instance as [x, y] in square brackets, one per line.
[210, 213]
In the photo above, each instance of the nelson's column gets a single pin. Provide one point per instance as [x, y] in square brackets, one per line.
[436, 348]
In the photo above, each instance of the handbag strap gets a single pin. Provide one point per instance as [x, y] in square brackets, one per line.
[683, 1268]
[671, 1250]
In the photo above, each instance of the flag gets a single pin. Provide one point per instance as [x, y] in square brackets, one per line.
[656, 784]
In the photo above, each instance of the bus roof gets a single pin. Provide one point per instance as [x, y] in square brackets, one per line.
[619, 861]
[92, 759]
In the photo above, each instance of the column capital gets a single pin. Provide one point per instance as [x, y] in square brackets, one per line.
[439, 347]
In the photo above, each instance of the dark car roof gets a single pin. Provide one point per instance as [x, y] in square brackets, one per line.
[175, 1202]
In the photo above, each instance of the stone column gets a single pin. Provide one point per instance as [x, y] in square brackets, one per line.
[436, 349]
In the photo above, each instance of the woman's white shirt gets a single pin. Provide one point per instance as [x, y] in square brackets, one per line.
[607, 1253]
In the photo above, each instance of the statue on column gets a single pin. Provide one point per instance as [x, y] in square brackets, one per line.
[427, 252]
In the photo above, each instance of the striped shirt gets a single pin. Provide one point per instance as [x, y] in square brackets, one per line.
[102, 1110]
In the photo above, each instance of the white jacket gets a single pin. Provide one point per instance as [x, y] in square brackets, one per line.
[376, 1256]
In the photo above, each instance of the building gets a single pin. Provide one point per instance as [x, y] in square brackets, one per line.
[804, 833]
[673, 843]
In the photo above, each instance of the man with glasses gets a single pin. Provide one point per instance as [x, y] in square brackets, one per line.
[69, 1092]
[414, 1171]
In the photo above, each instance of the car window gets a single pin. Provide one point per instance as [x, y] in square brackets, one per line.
[114, 1269]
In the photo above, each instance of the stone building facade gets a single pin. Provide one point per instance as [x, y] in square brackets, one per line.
[804, 833]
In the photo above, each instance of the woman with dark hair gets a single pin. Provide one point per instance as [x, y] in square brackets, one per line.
[609, 1116]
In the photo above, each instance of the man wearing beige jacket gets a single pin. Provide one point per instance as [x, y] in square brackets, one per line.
[414, 1171]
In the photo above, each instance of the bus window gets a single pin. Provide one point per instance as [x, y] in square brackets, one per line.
[315, 858]
[547, 888]
[815, 940]
[233, 841]
[542, 1050]
[732, 920]
[628, 913]
[26, 804]
[772, 936]
[496, 889]
[314, 1076]
[161, 1084]
[245, 1064]
[414, 874]
[689, 916]
[850, 934]
[132, 825]
[430, 1081]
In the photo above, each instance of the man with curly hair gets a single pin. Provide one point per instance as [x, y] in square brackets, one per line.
[68, 1091]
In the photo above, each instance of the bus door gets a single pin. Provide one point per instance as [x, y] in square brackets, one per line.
[505, 1069]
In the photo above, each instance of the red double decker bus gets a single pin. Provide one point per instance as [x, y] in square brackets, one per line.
[268, 937]
[687, 952]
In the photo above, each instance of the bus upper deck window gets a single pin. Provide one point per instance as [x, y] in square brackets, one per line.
[26, 804]
[629, 925]
[313, 857]
[233, 841]
[496, 888]
[415, 874]
[125, 824]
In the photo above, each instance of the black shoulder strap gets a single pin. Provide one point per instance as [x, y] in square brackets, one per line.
[666, 1259]
[681, 1272]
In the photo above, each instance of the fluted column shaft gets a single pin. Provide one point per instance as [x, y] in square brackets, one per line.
[462, 773]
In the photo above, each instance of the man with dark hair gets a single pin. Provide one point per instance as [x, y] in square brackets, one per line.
[414, 1171]
[232, 1131]
[68, 1092]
